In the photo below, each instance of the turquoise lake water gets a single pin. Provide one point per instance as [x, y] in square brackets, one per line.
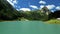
[28, 27]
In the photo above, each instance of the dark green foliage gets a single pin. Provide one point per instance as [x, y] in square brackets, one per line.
[50, 16]
[54, 15]
[7, 12]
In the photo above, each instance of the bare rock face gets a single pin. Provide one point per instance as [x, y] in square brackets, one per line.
[45, 11]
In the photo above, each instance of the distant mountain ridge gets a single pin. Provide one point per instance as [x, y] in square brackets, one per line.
[42, 14]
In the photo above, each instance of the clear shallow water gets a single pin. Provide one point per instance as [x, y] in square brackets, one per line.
[28, 27]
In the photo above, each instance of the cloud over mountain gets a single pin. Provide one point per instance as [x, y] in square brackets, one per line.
[25, 9]
[12, 2]
[33, 6]
[58, 7]
[50, 6]
[41, 6]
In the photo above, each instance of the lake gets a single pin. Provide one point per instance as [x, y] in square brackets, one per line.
[28, 27]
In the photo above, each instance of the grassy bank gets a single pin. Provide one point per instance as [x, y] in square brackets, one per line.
[53, 21]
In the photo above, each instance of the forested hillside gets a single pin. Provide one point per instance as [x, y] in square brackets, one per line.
[42, 14]
[7, 12]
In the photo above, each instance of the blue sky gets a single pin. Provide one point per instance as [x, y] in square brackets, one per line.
[27, 5]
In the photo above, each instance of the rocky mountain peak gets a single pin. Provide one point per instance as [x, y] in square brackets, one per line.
[45, 10]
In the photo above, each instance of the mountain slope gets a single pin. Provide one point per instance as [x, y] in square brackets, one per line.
[42, 14]
[7, 12]
[56, 14]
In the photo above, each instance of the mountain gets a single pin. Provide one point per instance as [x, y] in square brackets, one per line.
[56, 14]
[42, 14]
[45, 10]
[7, 11]
[45, 13]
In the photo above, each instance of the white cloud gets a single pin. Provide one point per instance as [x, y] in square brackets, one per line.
[33, 6]
[50, 6]
[58, 7]
[42, 2]
[12, 2]
[17, 9]
[41, 6]
[25, 9]
[15, 1]
[52, 10]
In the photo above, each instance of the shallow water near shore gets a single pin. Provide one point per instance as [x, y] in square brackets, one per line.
[28, 27]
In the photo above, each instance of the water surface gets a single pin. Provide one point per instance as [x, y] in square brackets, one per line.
[28, 27]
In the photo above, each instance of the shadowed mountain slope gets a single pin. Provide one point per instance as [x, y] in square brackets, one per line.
[7, 11]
